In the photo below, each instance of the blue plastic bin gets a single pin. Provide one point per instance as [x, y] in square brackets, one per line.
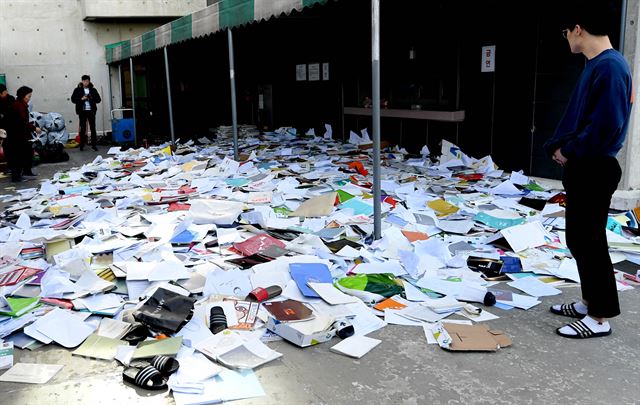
[122, 129]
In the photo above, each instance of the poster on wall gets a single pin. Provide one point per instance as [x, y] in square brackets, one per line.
[325, 71]
[488, 59]
[314, 72]
[301, 73]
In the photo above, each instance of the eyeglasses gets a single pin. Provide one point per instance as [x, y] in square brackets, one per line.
[565, 32]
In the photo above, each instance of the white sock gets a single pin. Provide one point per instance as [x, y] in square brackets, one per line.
[578, 305]
[591, 323]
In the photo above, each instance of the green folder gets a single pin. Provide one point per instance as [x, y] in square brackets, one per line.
[20, 306]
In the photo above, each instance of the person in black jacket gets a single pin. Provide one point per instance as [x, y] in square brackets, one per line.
[5, 103]
[17, 147]
[85, 97]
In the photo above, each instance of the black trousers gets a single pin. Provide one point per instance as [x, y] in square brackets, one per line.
[84, 117]
[19, 155]
[589, 184]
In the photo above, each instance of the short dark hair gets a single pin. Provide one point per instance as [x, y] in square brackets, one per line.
[2, 87]
[23, 91]
[597, 17]
[86, 77]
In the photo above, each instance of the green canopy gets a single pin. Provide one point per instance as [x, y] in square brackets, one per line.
[218, 16]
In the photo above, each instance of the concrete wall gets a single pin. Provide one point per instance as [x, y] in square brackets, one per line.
[139, 8]
[46, 45]
[628, 156]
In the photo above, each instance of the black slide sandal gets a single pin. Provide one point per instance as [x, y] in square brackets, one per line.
[583, 331]
[148, 378]
[166, 365]
[567, 310]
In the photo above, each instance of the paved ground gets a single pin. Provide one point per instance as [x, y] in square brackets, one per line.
[540, 367]
[76, 159]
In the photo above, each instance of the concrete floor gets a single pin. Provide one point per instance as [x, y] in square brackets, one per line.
[540, 367]
[45, 171]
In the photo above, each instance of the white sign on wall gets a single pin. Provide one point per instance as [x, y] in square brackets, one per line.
[314, 72]
[325, 71]
[488, 59]
[301, 73]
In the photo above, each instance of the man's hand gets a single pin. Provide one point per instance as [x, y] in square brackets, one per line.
[559, 158]
[38, 130]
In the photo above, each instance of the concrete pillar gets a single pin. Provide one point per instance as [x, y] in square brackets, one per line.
[628, 194]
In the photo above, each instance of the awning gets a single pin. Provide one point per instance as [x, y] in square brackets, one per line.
[218, 16]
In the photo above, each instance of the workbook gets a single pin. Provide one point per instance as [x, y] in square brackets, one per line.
[15, 307]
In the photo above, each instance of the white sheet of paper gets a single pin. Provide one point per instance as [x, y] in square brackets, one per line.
[484, 316]
[390, 266]
[99, 302]
[521, 301]
[391, 317]
[364, 321]
[421, 313]
[64, 328]
[330, 294]
[522, 237]
[194, 331]
[428, 329]
[348, 252]
[413, 293]
[167, 271]
[506, 188]
[233, 282]
[519, 178]
[534, 287]
[227, 236]
[356, 346]
[113, 328]
[31, 373]
[568, 269]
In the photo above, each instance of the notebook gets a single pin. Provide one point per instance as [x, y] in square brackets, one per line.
[355, 346]
[303, 273]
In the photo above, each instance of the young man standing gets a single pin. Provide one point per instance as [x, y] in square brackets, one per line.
[586, 142]
[85, 97]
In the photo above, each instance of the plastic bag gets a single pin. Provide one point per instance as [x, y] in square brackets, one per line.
[165, 311]
[371, 288]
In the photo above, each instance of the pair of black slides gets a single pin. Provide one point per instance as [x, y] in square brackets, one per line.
[151, 374]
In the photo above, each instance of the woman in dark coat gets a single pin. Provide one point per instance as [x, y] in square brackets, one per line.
[18, 149]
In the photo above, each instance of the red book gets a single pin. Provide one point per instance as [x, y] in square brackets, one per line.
[257, 243]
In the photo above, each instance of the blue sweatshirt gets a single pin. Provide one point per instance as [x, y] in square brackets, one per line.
[596, 119]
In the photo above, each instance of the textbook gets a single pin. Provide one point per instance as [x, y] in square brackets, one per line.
[17, 306]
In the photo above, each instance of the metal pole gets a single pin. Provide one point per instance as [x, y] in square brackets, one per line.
[170, 100]
[375, 75]
[110, 89]
[234, 111]
[120, 91]
[623, 26]
[133, 102]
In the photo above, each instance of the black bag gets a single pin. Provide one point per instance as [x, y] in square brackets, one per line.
[165, 311]
[53, 153]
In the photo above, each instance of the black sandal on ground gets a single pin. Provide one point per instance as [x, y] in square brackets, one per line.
[148, 378]
[166, 365]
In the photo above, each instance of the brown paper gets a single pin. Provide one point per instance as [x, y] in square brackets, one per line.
[476, 338]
